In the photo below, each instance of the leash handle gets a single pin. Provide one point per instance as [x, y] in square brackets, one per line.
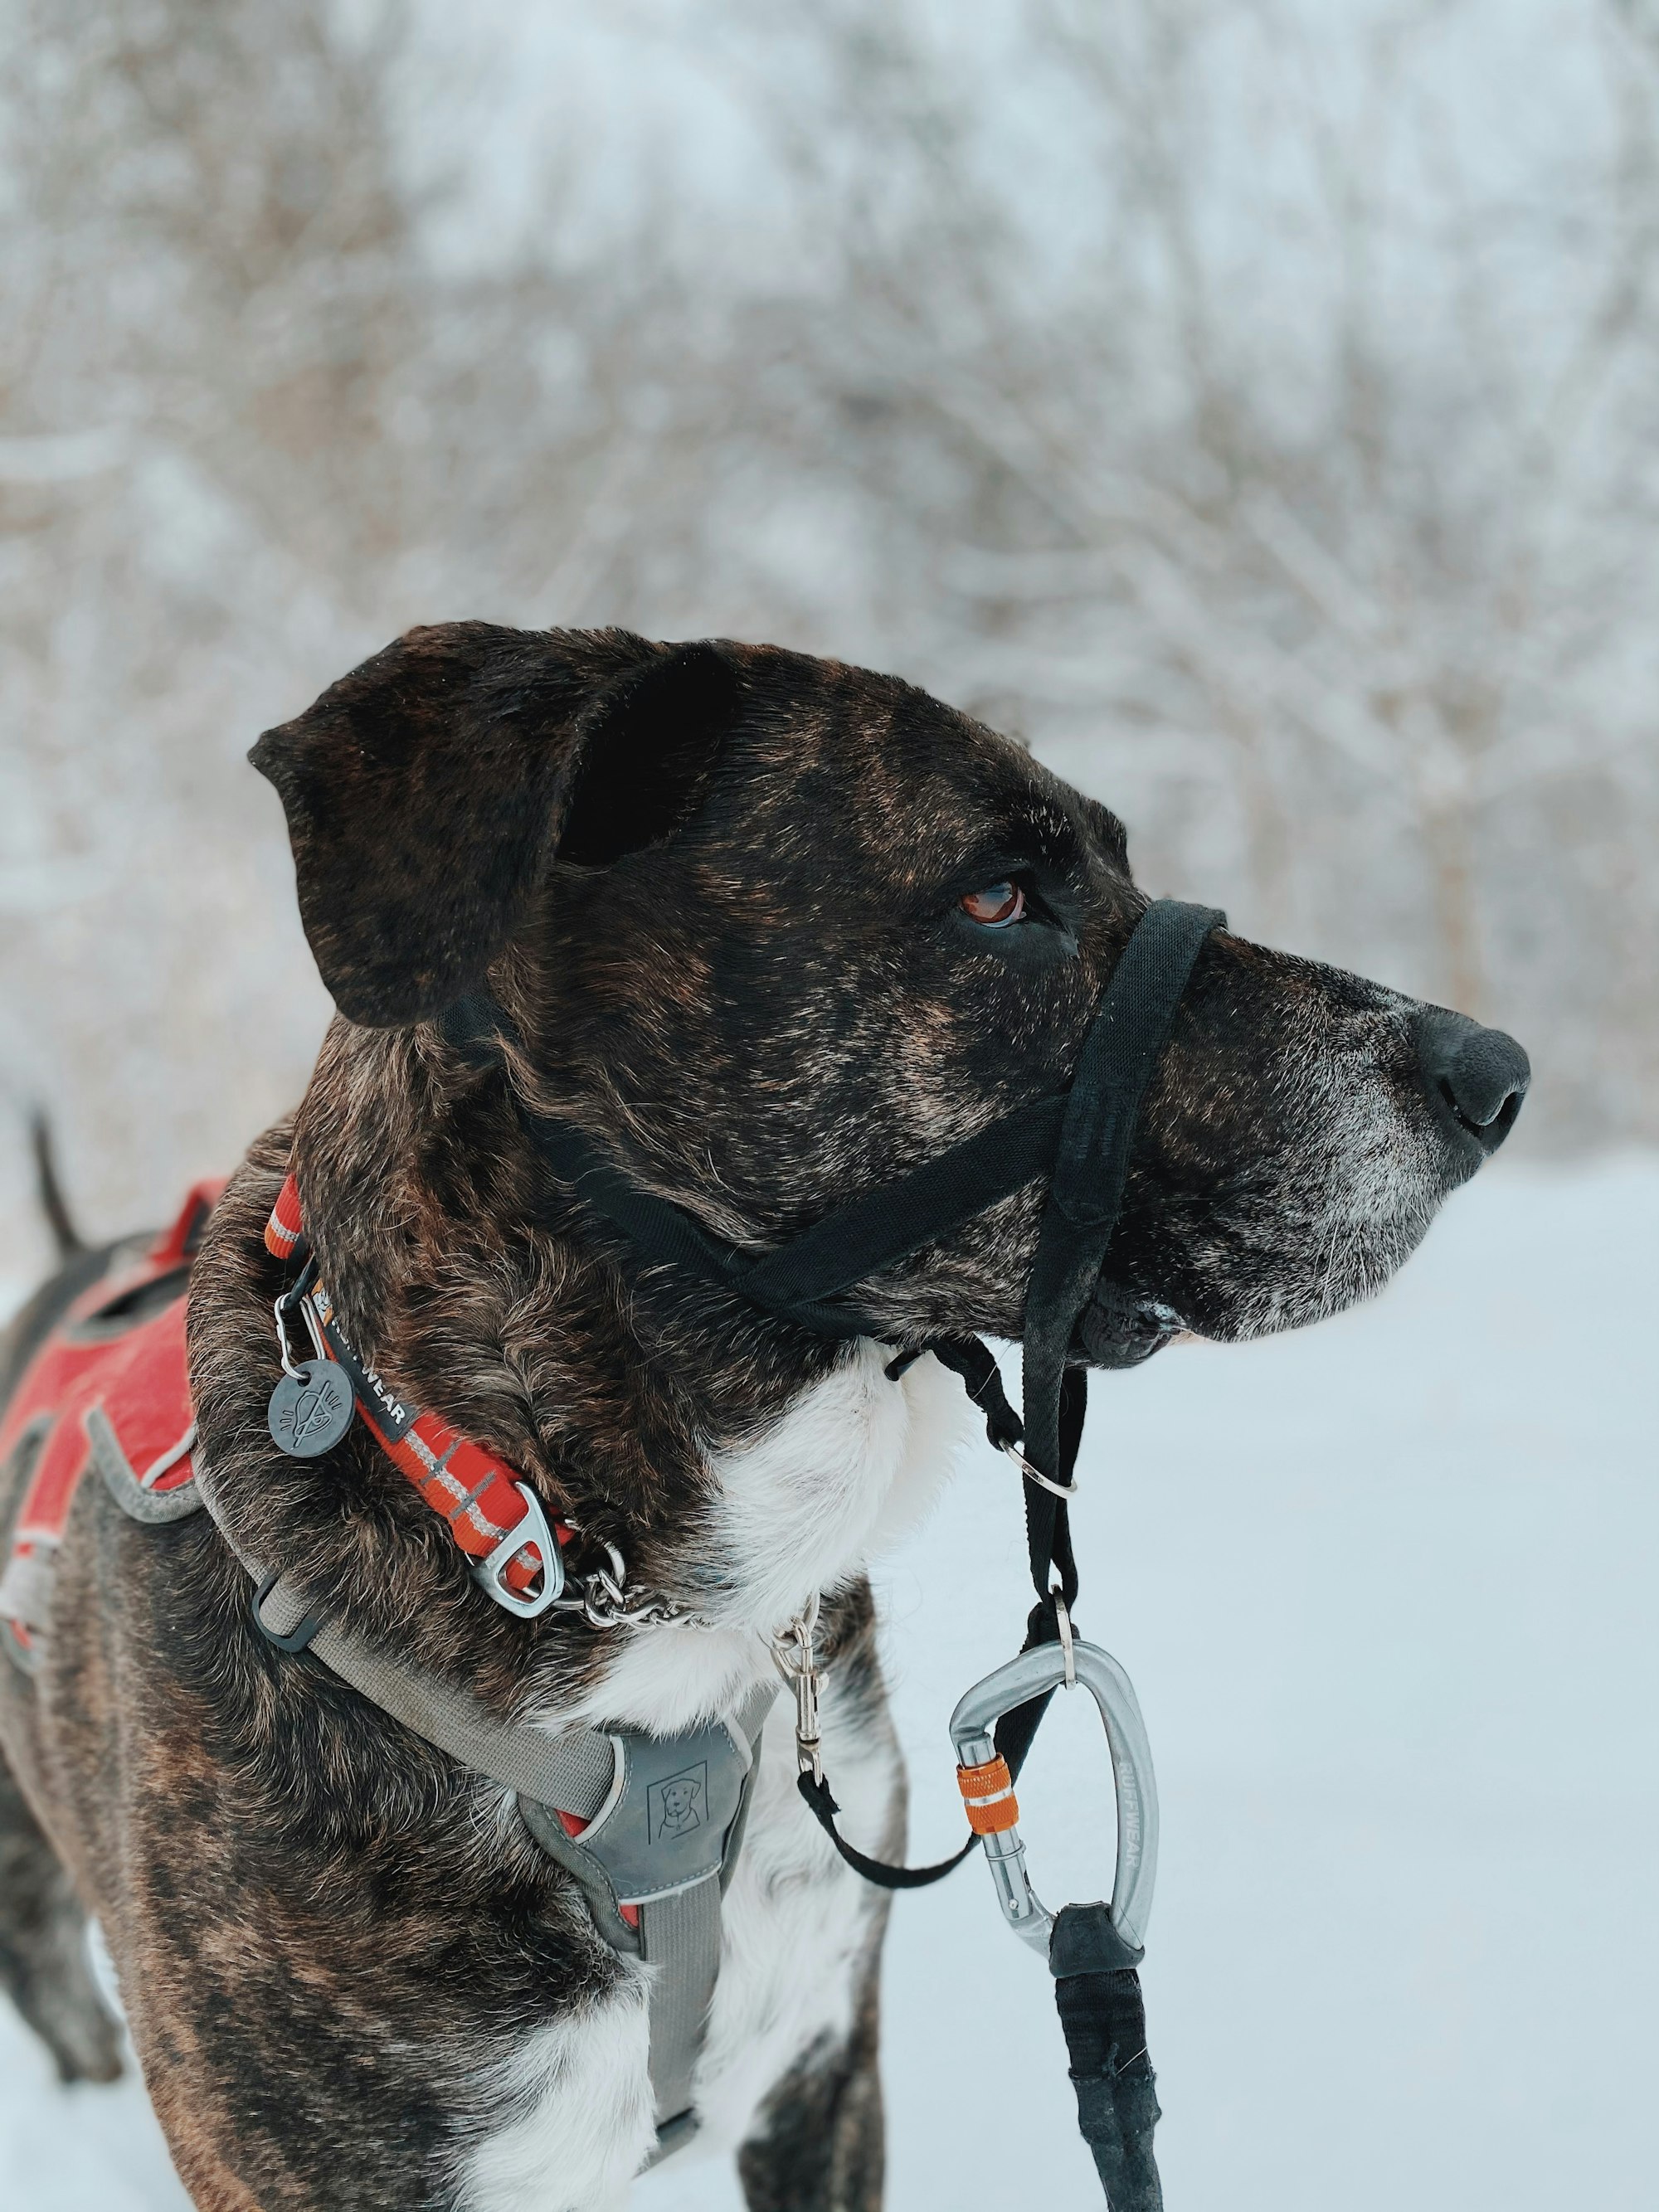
[1098, 1998]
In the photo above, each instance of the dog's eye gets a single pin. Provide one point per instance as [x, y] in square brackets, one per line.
[996, 906]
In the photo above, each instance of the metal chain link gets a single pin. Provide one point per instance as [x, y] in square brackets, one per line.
[603, 1598]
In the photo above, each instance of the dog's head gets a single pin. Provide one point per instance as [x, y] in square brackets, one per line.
[777, 930]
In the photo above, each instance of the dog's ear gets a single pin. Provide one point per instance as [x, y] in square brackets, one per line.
[429, 793]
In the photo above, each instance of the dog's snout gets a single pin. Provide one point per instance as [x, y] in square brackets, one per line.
[1479, 1075]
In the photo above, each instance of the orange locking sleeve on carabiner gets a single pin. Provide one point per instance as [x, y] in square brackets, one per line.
[987, 1792]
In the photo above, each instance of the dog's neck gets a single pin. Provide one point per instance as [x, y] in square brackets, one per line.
[740, 1464]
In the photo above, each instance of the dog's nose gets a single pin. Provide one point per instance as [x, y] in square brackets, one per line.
[1480, 1075]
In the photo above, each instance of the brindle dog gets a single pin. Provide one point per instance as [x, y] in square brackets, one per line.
[774, 930]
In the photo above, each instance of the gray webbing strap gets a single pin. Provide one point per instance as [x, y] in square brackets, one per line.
[681, 1938]
[572, 1769]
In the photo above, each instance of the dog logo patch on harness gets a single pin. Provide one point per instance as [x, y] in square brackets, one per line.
[677, 1805]
[310, 1410]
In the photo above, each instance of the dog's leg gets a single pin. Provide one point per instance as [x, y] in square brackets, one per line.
[819, 2144]
[44, 1966]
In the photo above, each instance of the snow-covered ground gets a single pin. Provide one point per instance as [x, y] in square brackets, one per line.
[1386, 1589]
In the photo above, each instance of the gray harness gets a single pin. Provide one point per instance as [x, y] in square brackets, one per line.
[664, 1815]
[663, 1836]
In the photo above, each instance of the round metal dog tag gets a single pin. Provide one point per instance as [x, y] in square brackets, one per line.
[311, 1409]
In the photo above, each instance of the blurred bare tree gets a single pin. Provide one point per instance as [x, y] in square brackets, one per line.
[249, 432]
[1301, 500]
[1190, 388]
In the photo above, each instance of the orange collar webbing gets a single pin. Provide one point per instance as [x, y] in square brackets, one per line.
[493, 1515]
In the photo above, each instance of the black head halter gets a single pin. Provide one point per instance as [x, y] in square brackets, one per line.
[1080, 1138]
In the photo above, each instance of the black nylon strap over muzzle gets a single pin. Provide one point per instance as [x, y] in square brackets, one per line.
[1086, 1198]
[1080, 1138]
[1091, 1162]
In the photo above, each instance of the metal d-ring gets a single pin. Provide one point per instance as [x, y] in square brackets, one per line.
[1035, 1474]
[1032, 1675]
[533, 1530]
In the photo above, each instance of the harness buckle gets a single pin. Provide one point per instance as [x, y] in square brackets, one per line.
[1033, 1675]
[491, 1572]
[296, 1638]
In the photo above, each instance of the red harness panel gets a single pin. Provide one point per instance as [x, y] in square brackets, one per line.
[100, 1388]
[97, 1383]
[91, 1366]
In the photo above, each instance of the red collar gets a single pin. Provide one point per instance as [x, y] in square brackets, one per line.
[491, 1512]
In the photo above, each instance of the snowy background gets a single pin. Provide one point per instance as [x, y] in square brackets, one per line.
[1255, 404]
[1386, 1591]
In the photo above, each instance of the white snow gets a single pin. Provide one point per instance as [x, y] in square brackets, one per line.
[1386, 1591]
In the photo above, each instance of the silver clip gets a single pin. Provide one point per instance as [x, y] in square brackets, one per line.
[298, 1298]
[792, 1655]
[279, 1310]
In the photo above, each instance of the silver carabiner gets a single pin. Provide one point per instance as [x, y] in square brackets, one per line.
[1136, 1872]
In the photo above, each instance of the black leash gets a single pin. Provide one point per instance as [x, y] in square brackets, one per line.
[1105, 2026]
[1081, 1140]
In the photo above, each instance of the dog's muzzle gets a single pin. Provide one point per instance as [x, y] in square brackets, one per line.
[1080, 1138]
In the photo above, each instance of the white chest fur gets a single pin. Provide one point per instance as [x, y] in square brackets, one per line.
[855, 1462]
[852, 1466]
